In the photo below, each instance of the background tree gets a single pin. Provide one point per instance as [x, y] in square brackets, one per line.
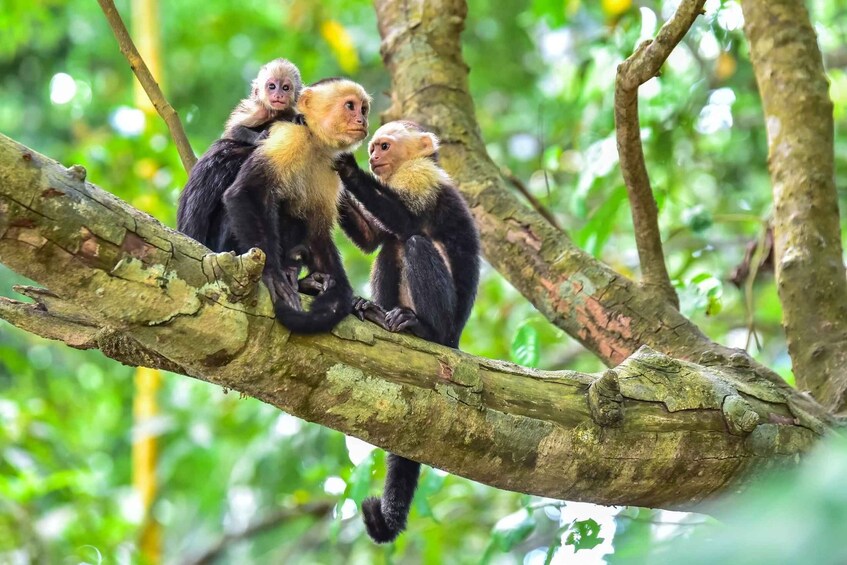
[544, 81]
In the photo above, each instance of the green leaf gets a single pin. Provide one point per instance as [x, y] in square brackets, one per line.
[359, 485]
[525, 349]
[697, 218]
[555, 545]
[585, 534]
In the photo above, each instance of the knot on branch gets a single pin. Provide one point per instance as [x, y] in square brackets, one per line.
[238, 273]
[605, 400]
[739, 415]
[77, 172]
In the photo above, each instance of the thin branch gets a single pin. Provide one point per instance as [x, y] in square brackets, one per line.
[640, 67]
[148, 82]
[275, 520]
[533, 201]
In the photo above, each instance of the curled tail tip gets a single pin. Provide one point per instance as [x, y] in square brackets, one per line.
[311, 322]
[375, 523]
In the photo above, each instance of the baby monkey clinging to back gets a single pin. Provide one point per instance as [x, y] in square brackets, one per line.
[201, 214]
[425, 275]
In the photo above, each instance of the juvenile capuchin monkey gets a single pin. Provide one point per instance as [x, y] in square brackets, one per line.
[200, 213]
[285, 199]
[425, 277]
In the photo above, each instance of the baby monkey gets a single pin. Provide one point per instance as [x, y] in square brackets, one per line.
[425, 276]
[200, 213]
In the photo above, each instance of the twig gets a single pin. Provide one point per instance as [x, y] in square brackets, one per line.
[317, 510]
[533, 201]
[640, 67]
[151, 87]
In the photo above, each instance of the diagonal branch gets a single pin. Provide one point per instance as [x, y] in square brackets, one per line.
[275, 520]
[807, 233]
[654, 431]
[148, 82]
[640, 67]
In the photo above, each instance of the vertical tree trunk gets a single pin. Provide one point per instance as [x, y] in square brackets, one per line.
[807, 234]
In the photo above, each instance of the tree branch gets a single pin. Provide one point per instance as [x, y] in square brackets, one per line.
[533, 201]
[640, 67]
[148, 82]
[275, 520]
[807, 234]
[652, 432]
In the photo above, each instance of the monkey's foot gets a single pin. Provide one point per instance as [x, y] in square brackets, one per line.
[283, 288]
[316, 283]
[371, 311]
[401, 318]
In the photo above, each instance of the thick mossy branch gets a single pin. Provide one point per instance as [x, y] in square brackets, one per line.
[653, 432]
[640, 67]
[808, 256]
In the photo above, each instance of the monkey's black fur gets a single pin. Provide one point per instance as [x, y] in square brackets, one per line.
[442, 294]
[260, 217]
[200, 211]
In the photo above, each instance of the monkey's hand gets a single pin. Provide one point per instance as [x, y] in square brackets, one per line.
[371, 311]
[345, 164]
[283, 287]
[401, 318]
[299, 119]
[316, 283]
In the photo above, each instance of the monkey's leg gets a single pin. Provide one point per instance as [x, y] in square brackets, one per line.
[431, 288]
[253, 211]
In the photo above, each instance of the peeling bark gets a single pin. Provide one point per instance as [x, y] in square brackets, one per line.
[654, 432]
[807, 234]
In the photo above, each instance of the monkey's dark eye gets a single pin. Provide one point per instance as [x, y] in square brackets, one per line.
[365, 110]
[384, 146]
[349, 105]
[286, 87]
[271, 86]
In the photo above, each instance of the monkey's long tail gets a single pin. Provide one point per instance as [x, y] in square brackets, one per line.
[386, 517]
[327, 310]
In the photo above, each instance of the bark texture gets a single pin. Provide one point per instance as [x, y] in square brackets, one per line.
[652, 432]
[807, 234]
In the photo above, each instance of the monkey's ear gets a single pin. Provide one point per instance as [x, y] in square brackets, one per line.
[305, 99]
[255, 90]
[428, 144]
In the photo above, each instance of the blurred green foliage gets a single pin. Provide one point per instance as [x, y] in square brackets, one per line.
[542, 76]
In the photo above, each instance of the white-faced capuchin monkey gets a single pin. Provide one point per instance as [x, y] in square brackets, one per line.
[285, 201]
[200, 213]
[425, 277]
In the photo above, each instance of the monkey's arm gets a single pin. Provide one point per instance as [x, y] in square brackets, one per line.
[386, 208]
[244, 134]
[200, 200]
[363, 231]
